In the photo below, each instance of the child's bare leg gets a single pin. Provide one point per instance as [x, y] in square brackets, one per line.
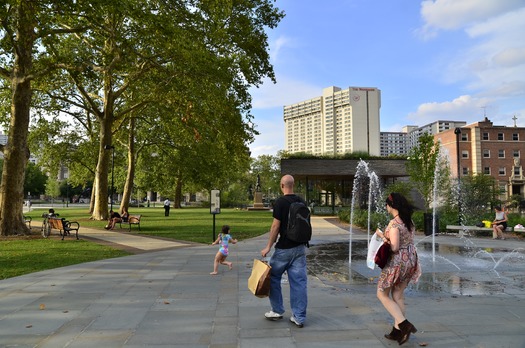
[227, 263]
[216, 263]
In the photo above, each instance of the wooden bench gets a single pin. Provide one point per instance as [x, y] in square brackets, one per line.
[132, 220]
[63, 226]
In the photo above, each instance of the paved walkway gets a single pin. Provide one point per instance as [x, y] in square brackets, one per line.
[166, 298]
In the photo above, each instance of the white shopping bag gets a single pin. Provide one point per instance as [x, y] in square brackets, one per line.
[373, 246]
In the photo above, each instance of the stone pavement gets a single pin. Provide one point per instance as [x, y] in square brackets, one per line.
[163, 296]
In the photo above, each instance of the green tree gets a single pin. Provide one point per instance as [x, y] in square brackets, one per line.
[53, 188]
[428, 168]
[269, 169]
[23, 25]
[35, 180]
[197, 59]
[477, 194]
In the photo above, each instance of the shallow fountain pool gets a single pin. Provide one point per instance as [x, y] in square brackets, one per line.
[457, 269]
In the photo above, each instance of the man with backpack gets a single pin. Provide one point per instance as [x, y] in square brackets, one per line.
[291, 223]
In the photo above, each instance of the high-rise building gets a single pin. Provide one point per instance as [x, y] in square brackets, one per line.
[3, 141]
[400, 143]
[338, 122]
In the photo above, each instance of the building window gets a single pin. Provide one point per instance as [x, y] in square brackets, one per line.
[517, 171]
[486, 170]
[485, 136]
[515, 136]
[516, 153]
[464, 137]
[464, 154]
[501, 153]
[465, 171]
[500, 136]
[501, 171]
[486, 153]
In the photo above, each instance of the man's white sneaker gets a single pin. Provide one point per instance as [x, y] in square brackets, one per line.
[297, 323]
[271, 315]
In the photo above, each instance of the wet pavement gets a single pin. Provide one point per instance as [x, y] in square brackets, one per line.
[471, 295]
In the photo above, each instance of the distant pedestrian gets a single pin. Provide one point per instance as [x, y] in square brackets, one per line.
[289, 257]
[224, 240]
[401, 268]
[167, 204]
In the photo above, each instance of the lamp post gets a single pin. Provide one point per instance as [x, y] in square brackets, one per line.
[457, 131]
[111, 147]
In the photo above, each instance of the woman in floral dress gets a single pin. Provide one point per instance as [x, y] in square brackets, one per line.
[402, 267]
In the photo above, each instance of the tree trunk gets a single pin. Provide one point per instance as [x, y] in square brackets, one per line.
[92, 200]
[16, 155]
[178, 194]
[16, 152]
[105, 158]
[128, 186]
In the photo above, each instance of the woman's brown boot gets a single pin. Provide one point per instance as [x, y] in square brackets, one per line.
[406, 328]
[394, 334]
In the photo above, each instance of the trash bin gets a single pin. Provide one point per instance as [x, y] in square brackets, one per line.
[428, 223]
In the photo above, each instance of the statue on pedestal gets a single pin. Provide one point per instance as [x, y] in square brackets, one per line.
[257, 201]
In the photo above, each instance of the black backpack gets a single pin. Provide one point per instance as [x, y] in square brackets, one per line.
[299, 228]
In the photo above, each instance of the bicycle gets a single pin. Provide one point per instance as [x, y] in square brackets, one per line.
[46, 226]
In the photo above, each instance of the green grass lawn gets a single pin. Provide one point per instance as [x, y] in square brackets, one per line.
[22, 255]
[29, 254]
[186, 224]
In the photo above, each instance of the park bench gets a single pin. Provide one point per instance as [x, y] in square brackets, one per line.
[475, 229]
[63, 226]
[132, 220]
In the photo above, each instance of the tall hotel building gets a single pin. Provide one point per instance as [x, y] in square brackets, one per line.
[340, 121]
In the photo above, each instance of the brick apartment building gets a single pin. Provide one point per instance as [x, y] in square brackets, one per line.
[488, 149]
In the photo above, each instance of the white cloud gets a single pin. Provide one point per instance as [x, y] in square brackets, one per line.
[455, 14]
[277, 46]
[510, 57]
[286, 91]
[464, 108]
[490, 67]
[496, 60]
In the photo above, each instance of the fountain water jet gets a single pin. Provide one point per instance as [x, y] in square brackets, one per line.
[374, 193]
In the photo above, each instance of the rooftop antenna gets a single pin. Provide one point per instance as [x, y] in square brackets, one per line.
[484, 112]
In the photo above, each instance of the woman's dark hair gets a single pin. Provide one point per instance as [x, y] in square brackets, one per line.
[405, 209]
[225, 229]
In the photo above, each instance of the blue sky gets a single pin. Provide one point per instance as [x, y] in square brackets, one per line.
[432, 60]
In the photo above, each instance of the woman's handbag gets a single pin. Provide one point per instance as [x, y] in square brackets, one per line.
[259, 281]
[382, 255]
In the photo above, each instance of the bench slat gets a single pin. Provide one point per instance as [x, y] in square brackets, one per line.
[132, 220]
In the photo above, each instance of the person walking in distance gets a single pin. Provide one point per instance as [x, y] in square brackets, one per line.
[401, 268]
[289, 257]
[167, 204]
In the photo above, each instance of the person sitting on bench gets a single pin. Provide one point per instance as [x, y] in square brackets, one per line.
[499, 224]
[114, 218]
